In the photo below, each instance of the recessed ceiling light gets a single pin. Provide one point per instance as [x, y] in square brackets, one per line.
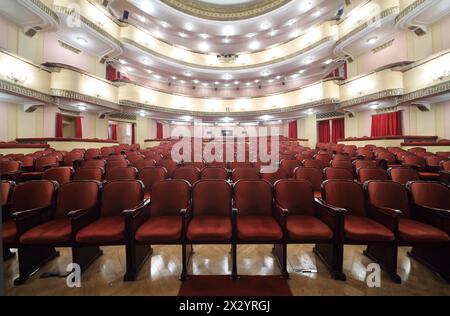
[226, 119]
[374, 106]
[183, 35]
[310, 112]
[254, 45]
[226, 40]
[145, 61]
[372, 40]
[123, 62]
[182, 81]
[278, 77]
[186, 118]
[156, 76]
[250, 35]
[265, 25]
[236, 82]
[270, 81]
[227, 76]
[216, 82]
[248, 83]
[173, 78]
[204, 35]
[294, 76]
[189, 26]
[81, 108]
[317, 14]
[227, 85]
[164, 24]
[256, 80]
[205, 84]
[142, 19]
[81, 40]
[157, 34]
[273, 32]
[129, 68]
[149, 71]
[294, 34]
[308, 60]
[142, 114]
[195, 81]
[228, 30]
[203, 46]
[328, 61]
[188, 74]
[265, 73]
[301, 71]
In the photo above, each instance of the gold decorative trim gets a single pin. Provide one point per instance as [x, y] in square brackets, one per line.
[24, 92]
[139, 105]
[67, 94]
[267, 63]
[68, 47]
[386, 110]
[382, 15]
[225, 12]
[409, 9]
[46, 9]
[88, 23]
[381, 47]
[390, 93]
[426, 92]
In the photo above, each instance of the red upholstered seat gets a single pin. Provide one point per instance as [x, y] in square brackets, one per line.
[338, 173]
[151, 175]
[312, 175]
[366, 174]
[122, 173]
[250, 173]
[190, 174]
[62, 175]
[170, 166]
[289, 165]
[9, 233]
[301, 227]
[311, 163]
[270, 176]
[210, 229]
[98, 163]
[162, 229]
[413, 231]
[86, 173]
[258, 228]
[361, 228]
[104, 230]
[211, 173]
[403, 175]
[141, 164]
[55, 231]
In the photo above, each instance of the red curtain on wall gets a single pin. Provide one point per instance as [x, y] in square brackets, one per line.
[293, 129]
[59, 125]
[133, 133]
[324, 131]
[159, 131]
[114, 131]
[387, 124]
[78, 128]
[337, 129]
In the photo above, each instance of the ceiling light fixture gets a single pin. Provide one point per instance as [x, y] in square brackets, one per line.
[374, 106]
[294, 34]
[81, 108]
[183, 35]
[273, 32]
[254, 45]
[189, 26]
[188, 74]
[123, 62]
[164, 24]
[204, 35]
[372, 40]
[301, 71]
[227, 76]
[265, 25]
[203, 46]
[157, 34]
[81, 40]
[250, 35]
[328, 61]
[308, 60]
[290, 22]
[265, 73]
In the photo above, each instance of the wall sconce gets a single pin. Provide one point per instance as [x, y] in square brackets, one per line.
[17, 77]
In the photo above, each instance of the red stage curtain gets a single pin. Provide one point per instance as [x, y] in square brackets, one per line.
[293, 129]
[337, 129]
[387, 124]
[78, 128]
[159, 131]
[114, 131]
[59, 125]
[133, 133]
[324, 131]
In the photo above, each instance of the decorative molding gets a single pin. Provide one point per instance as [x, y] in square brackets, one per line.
[225, 12]
[386, 110]
[390, 93]
[381, 47]
[333, 114]
[409, 9]
[46, 9]
[24, 92]
[263, 64]
[382, 15]
[67, 94]
[123, 116]
[68, 47]
[426, 92]
[144, 106]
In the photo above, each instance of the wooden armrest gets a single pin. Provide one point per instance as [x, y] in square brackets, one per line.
[135, 211]
[330, 208]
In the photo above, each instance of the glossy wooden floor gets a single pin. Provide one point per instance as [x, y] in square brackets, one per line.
[159, 275]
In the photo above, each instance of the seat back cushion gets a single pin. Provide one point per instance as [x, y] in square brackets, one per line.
[62, 175]
[313, 175]
[345, 194]
[212, 198]
[118, 196]
[75, 196]
[85, 173]
[151, 175]
[431, 194]
[169, 197]
[253, 197]
[32, 194]
[295, 195]
[388, 194]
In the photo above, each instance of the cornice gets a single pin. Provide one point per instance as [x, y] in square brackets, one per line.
[390, 93]
[225, 12]
[46, 10]
[409, 9]
[426, 92]
[25, 92]
[243, 67]
[145, 106]
[67, 94]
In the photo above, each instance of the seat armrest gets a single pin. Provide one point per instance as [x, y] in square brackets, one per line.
[437, 217]
[25, 220]
[385, 216]
[330, 215]
[415, 167]
[83, 217]
[444, 177]
[136, 217]
[280, 213]
[134, 212]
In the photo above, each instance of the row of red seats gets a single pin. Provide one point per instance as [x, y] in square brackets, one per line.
[85, 215]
